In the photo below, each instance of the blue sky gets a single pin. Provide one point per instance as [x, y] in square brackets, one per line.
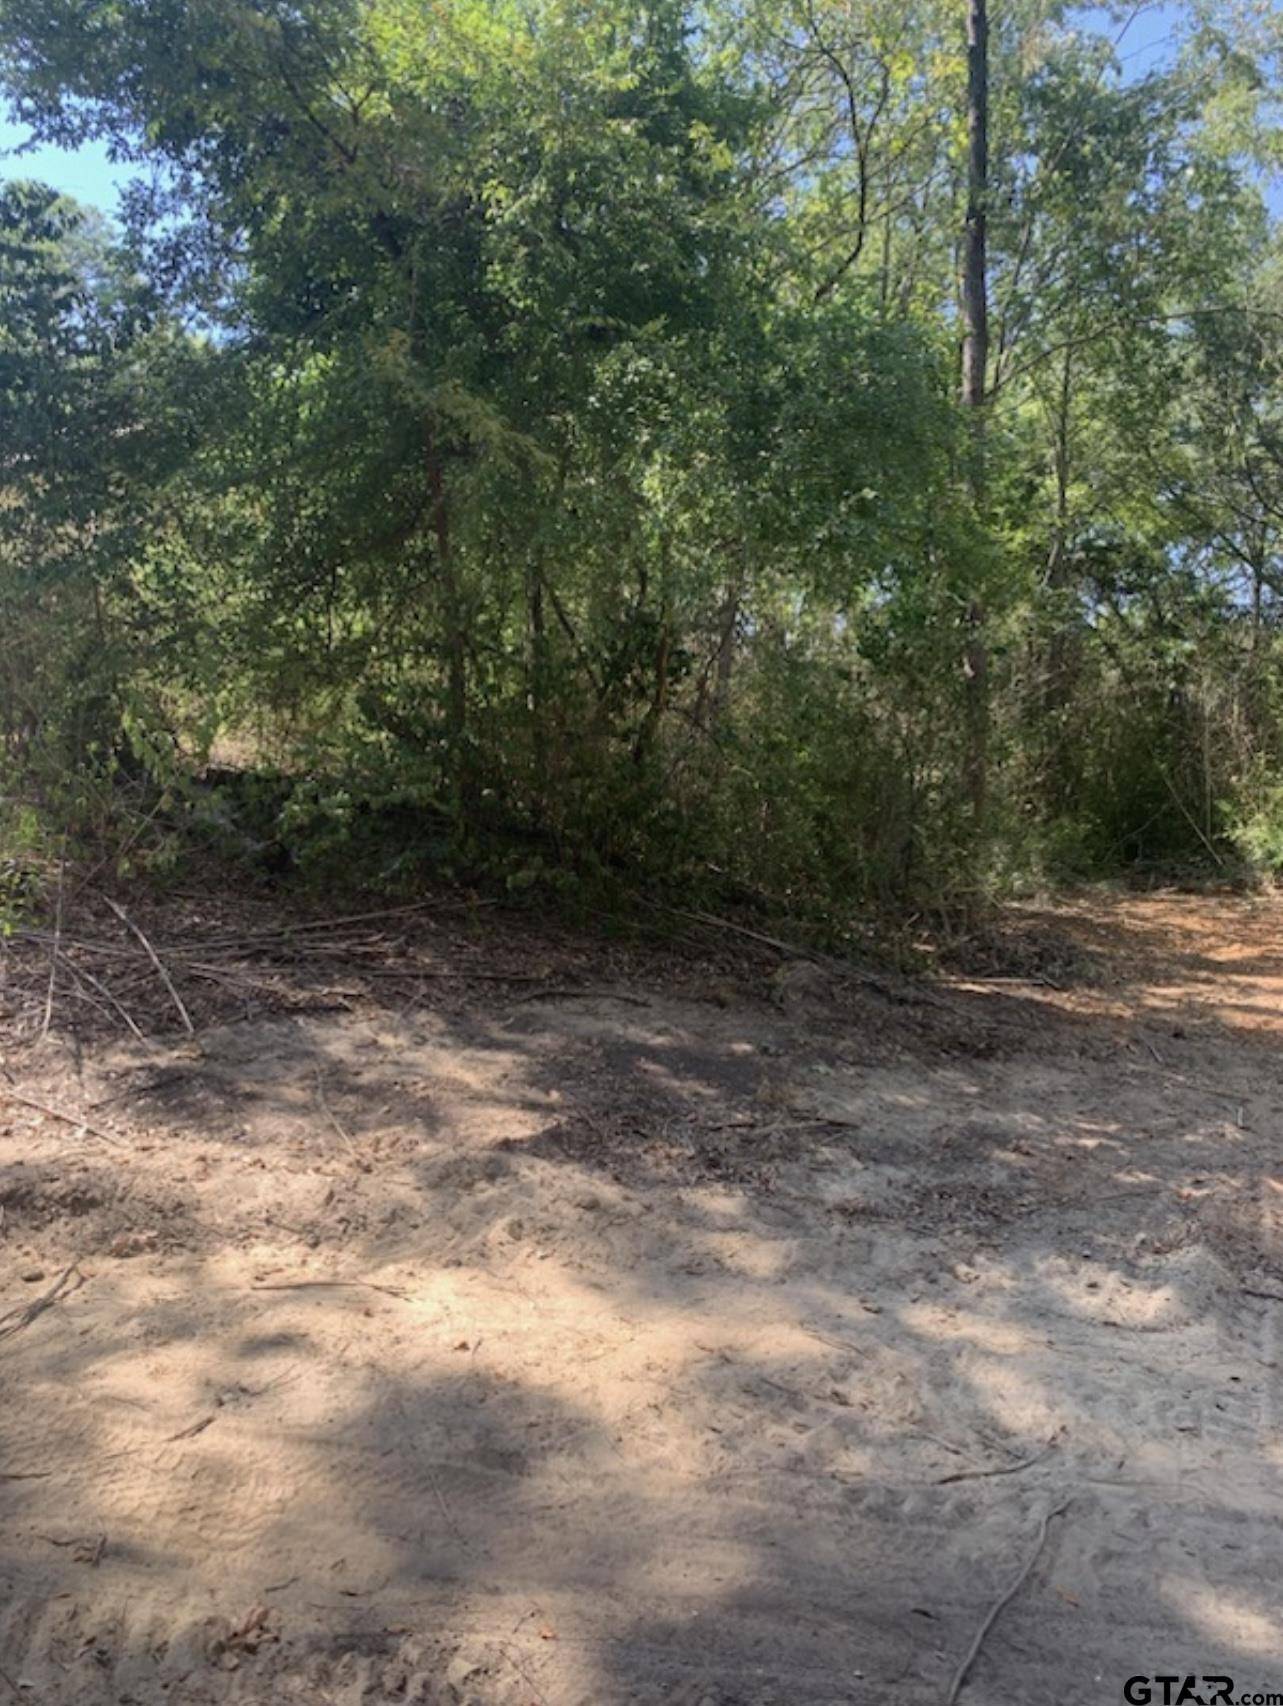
[1145, 37]
[1144, 34]
[85, 173]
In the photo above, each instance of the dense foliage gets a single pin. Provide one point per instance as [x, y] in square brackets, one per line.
[531, 431]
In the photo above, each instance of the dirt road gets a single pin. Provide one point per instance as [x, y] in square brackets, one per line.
[427, 1341]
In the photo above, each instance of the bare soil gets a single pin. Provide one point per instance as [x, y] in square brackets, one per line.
[460, 1315]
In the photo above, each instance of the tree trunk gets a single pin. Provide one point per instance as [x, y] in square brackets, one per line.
[537, 693]
[456, 643]
[975, 358]
[727, 623]
[649, 728]
[975, 287]
[1058, 655]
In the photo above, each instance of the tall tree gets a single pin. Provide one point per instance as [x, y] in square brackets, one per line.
[975, 368]
[975, 277]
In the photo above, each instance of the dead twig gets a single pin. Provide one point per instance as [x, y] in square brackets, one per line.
[1178, 1083]
[790, 950]
[191, 1432]
[795, 1392]
[14, 1320]
[96, 983]
[155, 959]
[108, 950]
[250, 937]
[460, 905]
[569, 994]
[843, 969]
[1016, 981]
[227, 977]
[450, 1523]
[1002, 1469]
[324, 1285]
[828, 1339]
[999, 1606]
[333, 1118]
[80, 993]
[77, 1120]
[465, 974]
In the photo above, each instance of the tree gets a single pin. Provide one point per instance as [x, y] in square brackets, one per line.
[975, 366]
[71, 323]
[593, 432]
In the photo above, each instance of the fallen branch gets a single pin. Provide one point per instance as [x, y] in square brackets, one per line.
[14, 1320]
[293, 929]
[1002, 1469]
[409, 974]
[79, 993]
[112, 950]
[1014, 980]
[840, 968]
[88, 977]
[191, 1432]
[323, 1285]
[999, 1606]
[152, 955]
[77, 1120]
[837, 1344]
[583, 994]
[790, 950]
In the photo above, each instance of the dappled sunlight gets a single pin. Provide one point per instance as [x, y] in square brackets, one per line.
[1271, 1450]
[908, 1099]
[548, 1339]
[1012, 1397]
[1091, 1138]
[1000, 1338]
[1233, 1620]
[1112, 1299]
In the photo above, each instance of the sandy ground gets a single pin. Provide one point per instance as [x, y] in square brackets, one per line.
[669, 1344]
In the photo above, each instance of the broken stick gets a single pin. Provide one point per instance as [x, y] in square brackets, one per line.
[1002, 1469]
[999, 1606]
[155, 959]
[54, 1113]
[14, 1320]
[327, 1285]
